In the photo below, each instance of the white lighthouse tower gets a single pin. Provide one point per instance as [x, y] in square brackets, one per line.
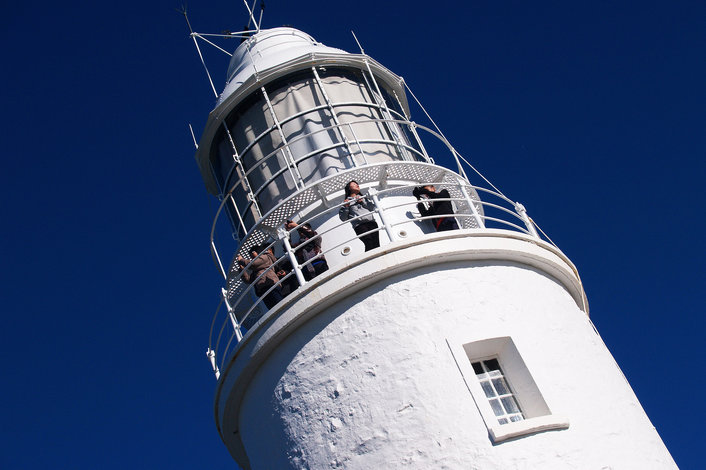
[467, 348]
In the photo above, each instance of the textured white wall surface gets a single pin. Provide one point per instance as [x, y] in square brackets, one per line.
[371, 383]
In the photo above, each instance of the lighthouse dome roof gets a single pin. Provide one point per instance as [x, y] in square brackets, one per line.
[272, 54]
[267, 49]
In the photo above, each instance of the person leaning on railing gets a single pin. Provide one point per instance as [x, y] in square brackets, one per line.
[444, 209]
[360, 208]
[308, 249]
[262, 262]
[288, 280]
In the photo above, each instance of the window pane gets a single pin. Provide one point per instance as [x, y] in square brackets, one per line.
[502, 421]
[489, 392]
[497, 409]
[510, 405]
[501, 386]
[492, 364]
[477, 368]
[516, 418]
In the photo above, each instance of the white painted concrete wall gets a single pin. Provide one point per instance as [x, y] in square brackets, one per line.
[371, 383]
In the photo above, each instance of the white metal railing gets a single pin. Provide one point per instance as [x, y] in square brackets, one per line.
[476, 207]
[292, 163]
[237, 213]
[240, 308]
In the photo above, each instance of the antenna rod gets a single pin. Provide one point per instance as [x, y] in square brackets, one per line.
[193, 136]
[262, 9]
[198, 49]
[214, 45]
[358, 42]
[252, 16]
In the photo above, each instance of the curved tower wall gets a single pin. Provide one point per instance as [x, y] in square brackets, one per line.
[376, 370]
[463, 349]
[373, 382]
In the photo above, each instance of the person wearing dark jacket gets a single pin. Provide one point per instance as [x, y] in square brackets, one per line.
[288, 280]
[428, 206]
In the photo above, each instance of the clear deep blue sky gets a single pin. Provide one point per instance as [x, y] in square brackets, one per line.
[591, 114]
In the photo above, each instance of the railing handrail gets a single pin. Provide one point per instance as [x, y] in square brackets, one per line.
[470, 208]
[294, 141]
[382, 192]
[273, 127]
[248, 292]
[335, 144]
[229, 194]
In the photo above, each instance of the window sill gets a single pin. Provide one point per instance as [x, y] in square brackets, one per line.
[503, 432]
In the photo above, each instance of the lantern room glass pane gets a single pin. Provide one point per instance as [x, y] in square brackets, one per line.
[296, 141]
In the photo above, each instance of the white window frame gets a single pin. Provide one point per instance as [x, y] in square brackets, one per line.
[537, 415]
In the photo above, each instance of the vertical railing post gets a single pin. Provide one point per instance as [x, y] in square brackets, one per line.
[385, 111]
[231, 315]
[284, 236]
[413, 129]
[237, 211]
[357, 142]
[332, 110]
[372, 192]
[469, 201]
[456, 159]
[299, 181]
[218, 258]
[523, 214]
[211, 354]
[241, 172]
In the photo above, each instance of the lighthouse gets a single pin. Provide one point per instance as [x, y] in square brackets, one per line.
[379, 309]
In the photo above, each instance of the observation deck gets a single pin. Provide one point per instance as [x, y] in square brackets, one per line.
[491, 226]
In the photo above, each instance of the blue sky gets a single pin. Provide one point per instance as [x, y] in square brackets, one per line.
[591, 114]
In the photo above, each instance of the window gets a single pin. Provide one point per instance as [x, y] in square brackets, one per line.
[505, 393]
[497, 391]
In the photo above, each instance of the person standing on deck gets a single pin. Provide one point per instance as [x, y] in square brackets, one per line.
[359, 210]
[443, 208]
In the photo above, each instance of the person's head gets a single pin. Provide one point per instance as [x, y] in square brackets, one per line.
[352, 188]
[422, 190]
[303, 228]
[257, 249]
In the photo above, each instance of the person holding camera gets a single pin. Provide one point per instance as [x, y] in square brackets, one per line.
[308, 249]
[429, 206]
[359, 210]
[263, 261]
